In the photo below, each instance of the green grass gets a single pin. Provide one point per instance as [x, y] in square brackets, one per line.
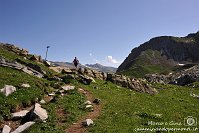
[125, 110]
[23, 96]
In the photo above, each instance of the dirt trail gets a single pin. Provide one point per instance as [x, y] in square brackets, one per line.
[77, 126]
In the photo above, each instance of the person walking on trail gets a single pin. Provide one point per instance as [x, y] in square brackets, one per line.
[76, 62]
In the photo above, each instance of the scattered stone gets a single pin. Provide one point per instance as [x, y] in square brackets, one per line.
[8, 89]
[87, 123]
[68, 87]
[36, 113]
[51, 94]
[87, 103]
[89, 106]
[42, 101]
[23, 127]
[25, 85]
[19, 115]
[6, 129]
[97, 101]
[194, 95]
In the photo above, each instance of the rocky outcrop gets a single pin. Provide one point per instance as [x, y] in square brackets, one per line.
[131, 83]
[27, 69]
[182, 77]
[15, 49]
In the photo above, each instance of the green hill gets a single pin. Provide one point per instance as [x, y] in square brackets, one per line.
[161, 55]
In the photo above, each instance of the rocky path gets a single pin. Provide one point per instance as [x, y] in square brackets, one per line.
[77, 127]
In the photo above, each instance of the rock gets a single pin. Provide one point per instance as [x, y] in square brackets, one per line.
[81, 70]
[87, 103]
[36, 114]
[42, 101]
[36, 58]
[97, 101]
[25, 85]
[89, 106]
[88, 72]
[51, 94]
[87, 123]
[66, 70]
[6, 129]
[85, 79]
[19, 115]
[47, 63]
[8, 89]
[98, 74]
[194, 95]
[68, 87]
[36, 68]
[23, 127]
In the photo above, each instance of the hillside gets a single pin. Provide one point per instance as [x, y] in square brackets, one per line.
[161, 55]
[38, 99]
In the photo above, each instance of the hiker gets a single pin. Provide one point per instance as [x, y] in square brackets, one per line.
[75, 62]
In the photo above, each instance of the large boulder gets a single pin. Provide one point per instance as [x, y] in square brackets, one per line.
[23, 127]
[37, 113]
[8, 89]
[85, 79]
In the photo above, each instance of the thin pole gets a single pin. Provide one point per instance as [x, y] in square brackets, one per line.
[47, 52]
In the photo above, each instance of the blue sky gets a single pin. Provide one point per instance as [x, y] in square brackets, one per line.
[103, 31]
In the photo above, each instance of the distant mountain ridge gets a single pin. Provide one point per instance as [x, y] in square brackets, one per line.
[102, 68]
[160, 54]
[96, 66]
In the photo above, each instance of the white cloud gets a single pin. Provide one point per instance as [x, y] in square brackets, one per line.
[110, 59]
[90, 54]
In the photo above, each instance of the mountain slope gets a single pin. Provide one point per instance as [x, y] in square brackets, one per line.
[160, 53]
